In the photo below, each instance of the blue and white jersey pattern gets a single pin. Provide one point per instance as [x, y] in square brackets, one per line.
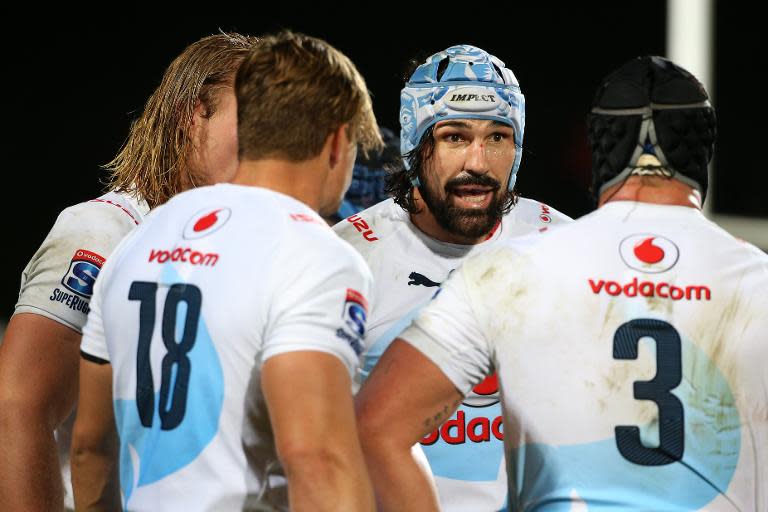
[466, 454]
[214, 283]
[630, 348]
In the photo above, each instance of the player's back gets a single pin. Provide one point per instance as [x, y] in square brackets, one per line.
[631, 348]
[190, 309]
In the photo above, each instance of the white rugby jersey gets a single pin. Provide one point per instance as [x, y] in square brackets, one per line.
[211, 285]
[631, 349]
[466, 453]
[57, 283]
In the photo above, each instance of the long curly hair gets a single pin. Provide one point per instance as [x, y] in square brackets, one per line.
[153, 161]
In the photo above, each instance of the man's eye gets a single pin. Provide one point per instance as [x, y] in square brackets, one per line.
[497, 137]
[454, 137]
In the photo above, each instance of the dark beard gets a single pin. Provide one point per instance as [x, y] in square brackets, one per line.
[467, 223]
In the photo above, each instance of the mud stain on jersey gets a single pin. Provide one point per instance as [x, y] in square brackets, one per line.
[488, 275]
[718, 340]
[498, 282]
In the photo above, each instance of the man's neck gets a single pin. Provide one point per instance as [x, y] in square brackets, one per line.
[654, 190]
[300, 180]
[428, 225]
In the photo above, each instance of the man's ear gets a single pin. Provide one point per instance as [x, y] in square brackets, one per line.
[339, 141]
[199, 118]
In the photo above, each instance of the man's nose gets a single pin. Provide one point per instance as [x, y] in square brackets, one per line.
[477, 157]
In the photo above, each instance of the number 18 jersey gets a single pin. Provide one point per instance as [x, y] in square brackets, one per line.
[631, 350]
[186, 311]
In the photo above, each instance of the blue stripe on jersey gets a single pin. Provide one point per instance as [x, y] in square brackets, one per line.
[596, 475]
[374, 353]
[154, 453]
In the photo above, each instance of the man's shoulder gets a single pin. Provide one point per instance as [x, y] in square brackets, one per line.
[369, 229]
[110, 213]
[530, 215]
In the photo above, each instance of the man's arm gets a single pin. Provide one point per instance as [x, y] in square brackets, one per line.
[309, 398]
[38, 386]
[406, 397]
[95, 445]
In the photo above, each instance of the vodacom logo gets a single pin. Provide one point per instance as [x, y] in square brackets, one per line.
[472, 427]
[649, 253]
[205, 222]
[484, 394]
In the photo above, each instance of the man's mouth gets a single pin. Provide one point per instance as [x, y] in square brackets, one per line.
[472, 196]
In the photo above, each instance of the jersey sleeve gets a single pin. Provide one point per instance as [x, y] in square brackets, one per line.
[93, 346]
[321, 306]
[58, 281]
[448, 332]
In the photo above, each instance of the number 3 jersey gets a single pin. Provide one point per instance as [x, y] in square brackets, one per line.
[466, 454]
[187, 310]
[631, 350]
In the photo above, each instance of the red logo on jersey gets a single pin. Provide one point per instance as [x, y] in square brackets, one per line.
[356, 296]
[362, 227]
[484, 394]
[649, 253]
[488, 386]
[184, 255]
[83, 255]
[478, 430]
[205, 222]
[305, 217]
[457, 430]
[636, 288]
[545, 213]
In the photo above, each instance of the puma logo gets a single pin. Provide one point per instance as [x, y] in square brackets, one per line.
[417, 279]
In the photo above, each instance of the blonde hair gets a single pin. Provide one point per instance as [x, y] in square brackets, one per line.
[292, 92]
[153, 161]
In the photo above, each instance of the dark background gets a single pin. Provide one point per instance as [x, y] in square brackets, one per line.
[74, 81]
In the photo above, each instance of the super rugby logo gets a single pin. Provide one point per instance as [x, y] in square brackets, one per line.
[471, 99]
[206, 222]
[354, 317]
[649, 253]
[82, 272]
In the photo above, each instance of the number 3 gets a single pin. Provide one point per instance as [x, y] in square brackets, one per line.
[668, 376]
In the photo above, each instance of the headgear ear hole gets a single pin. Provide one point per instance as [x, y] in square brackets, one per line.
[441, 67]
[498, 70]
